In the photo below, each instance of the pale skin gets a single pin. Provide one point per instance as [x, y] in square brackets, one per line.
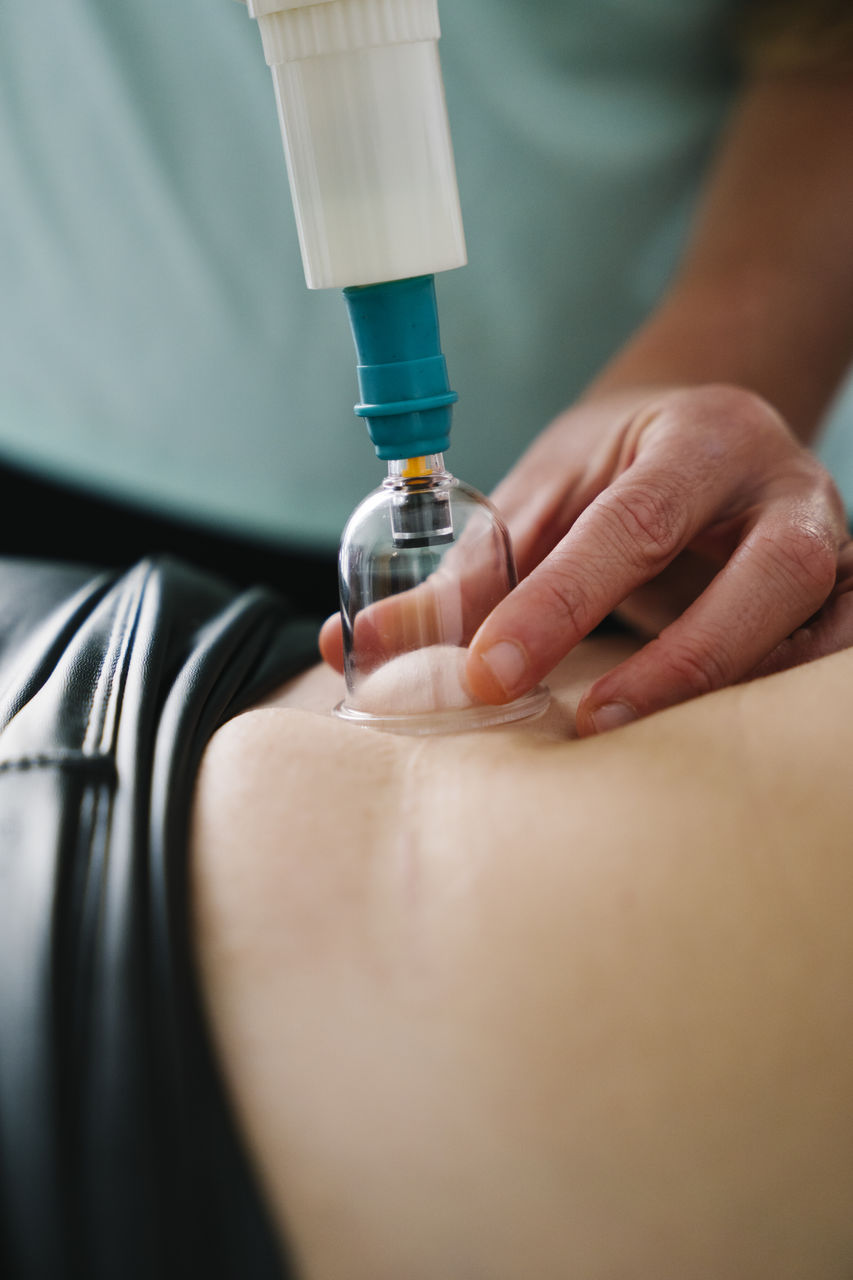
[681, 490]
[513, 1003]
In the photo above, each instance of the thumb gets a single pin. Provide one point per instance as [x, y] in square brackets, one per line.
[331, 642]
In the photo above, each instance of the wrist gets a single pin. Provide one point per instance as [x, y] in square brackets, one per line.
[749, 332]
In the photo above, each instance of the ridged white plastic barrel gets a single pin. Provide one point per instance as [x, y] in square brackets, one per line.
[366, 137]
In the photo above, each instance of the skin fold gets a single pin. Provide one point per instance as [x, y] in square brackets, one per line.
[518, 1003]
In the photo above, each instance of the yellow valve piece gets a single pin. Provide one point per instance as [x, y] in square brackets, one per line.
[416, 467]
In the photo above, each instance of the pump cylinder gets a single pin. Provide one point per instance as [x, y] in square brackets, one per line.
[366, 137]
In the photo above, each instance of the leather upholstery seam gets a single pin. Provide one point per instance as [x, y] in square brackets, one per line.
[98, 763]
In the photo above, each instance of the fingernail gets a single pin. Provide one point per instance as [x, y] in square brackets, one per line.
[507, 662]
[611, 716]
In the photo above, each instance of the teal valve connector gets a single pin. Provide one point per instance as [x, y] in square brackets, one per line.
[407, 403]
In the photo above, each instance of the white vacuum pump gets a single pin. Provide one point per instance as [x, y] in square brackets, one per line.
[366, 136]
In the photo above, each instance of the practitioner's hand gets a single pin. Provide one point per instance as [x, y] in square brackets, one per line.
[695, 514]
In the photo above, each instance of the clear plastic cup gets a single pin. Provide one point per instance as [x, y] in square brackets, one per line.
[423, 561]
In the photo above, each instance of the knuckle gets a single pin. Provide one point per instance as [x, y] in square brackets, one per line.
[803, 556]
[730, 425]
[645, 522]
[561, 598]
[825, 497]
[699, 667]
[745, 407]
[729, 404]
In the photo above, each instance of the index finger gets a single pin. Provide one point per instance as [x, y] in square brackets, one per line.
[623, 539]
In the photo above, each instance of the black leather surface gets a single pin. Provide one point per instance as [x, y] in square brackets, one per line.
[118, 1157]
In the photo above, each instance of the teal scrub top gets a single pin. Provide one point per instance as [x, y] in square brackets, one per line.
[157, 339]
